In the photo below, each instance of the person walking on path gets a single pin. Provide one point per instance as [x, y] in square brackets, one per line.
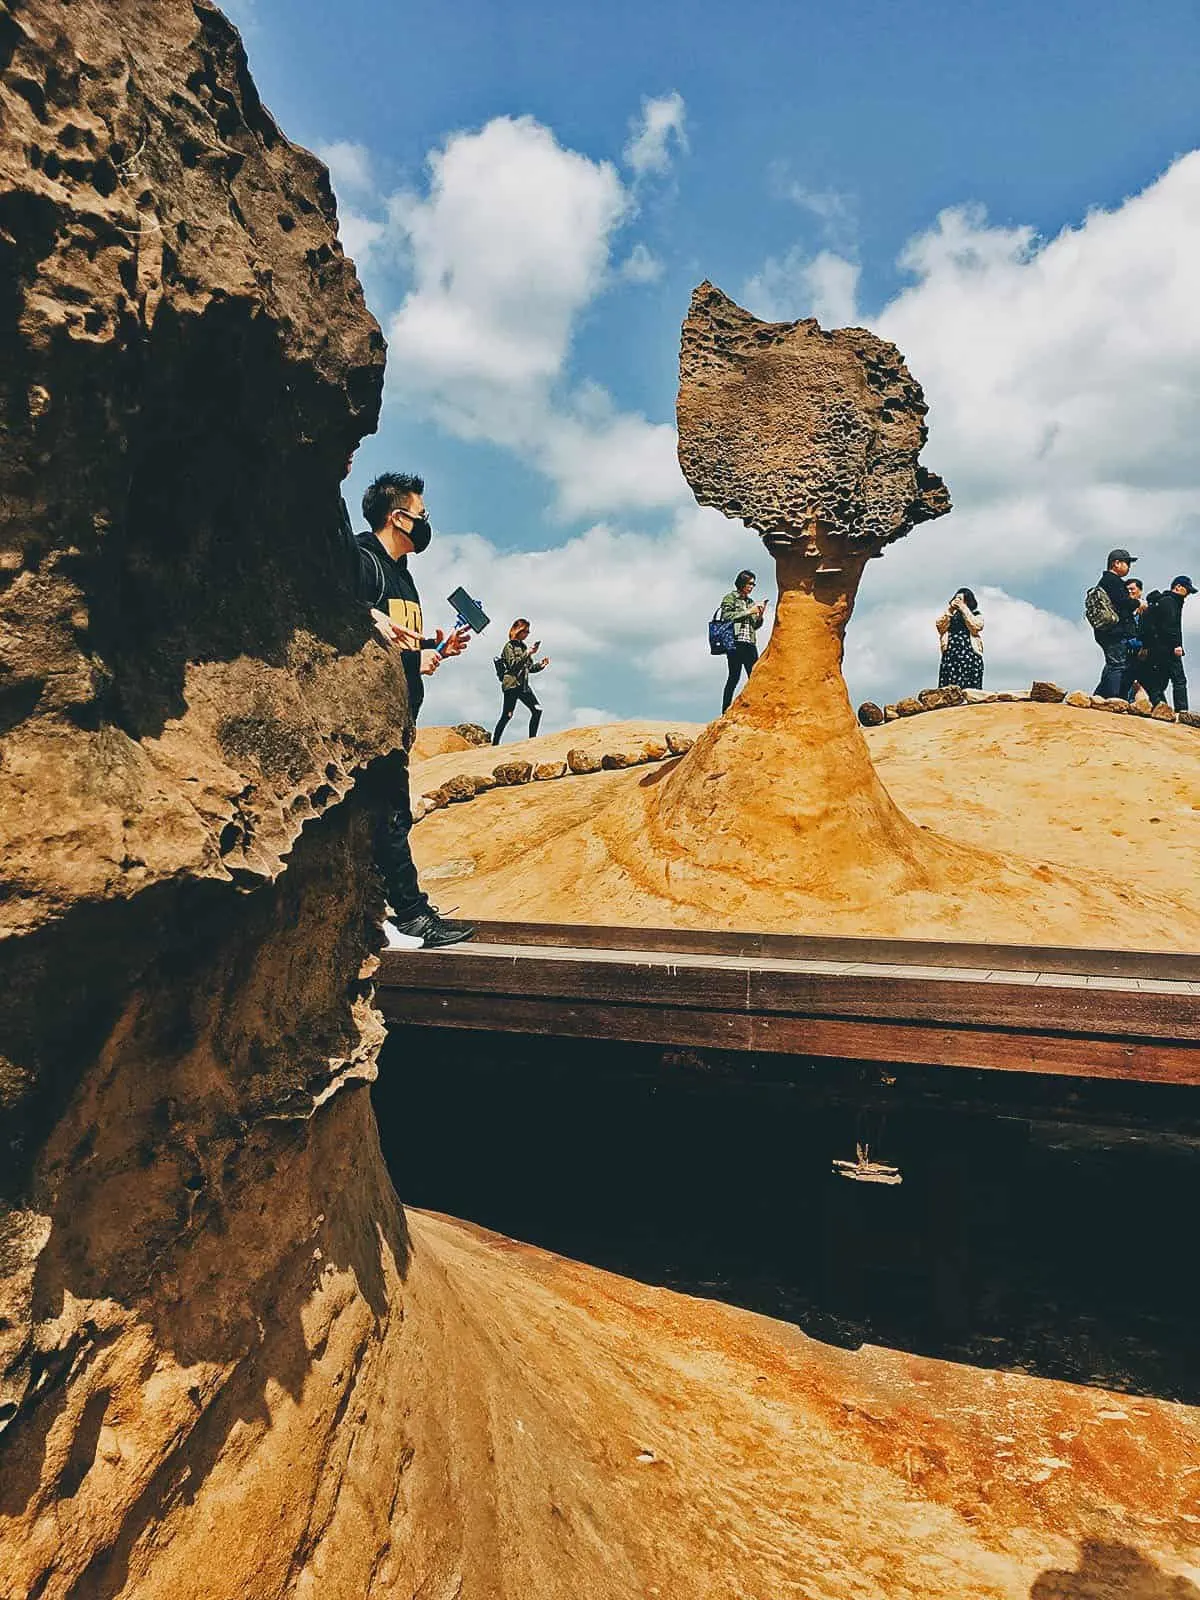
[747, 618]
[960, 634]
[1111, 610]
[514, 664]
[397, 527]
[1162, 637]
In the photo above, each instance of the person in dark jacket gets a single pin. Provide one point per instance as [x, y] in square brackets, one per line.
[1162, 638]
[1117, 676]
[517, 661]
[397, 527]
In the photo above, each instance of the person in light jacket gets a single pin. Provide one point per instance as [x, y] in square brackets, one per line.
[960, 633]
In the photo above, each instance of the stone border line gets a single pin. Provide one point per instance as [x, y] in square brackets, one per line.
[511, 774]
[872, 715]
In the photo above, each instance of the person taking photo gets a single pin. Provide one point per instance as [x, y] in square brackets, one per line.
[746, 616]
[513, 666]
[397, 528]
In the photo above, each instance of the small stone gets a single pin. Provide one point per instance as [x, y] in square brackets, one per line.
[472, 732]
[458, 788]
[1047, 693]
[1141, 705]
[616, 759]
[932, 699]
[419, 809]
[1190, 719]
[679, 743]
[654, 750]
[954, 695]
[890, 714]
[545, 770]
[871, 715]
[484, 781]
[1097, 702]
[909, 707]
[1078, 697]
[980, 697]
[1163, 713]
[1121, 707]
[513, 772]
[583, 761]
[431, 802]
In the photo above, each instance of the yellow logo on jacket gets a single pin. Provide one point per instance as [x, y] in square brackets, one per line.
[407, 614]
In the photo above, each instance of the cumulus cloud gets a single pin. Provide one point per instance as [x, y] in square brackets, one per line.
[508, 247]
[796, 285]
[1063, 378]
[656, 134]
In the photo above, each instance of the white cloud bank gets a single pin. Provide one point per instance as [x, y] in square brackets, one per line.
[1063, 378]
[509, 246]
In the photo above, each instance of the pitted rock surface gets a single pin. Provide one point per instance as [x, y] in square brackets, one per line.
[781, 421]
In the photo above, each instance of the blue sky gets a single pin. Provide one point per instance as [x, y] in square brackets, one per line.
[531, 192]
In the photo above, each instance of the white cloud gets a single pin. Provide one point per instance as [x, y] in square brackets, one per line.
[653, 135]
[508, 248]
[640, 266]
[796, 285]
[622, 614]
[349, 167]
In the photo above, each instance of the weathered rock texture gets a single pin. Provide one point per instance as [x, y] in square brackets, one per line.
[797, 431]
[186, 695]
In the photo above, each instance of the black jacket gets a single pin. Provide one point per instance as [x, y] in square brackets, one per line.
[1164, 634]
[387, 585]
[1123, 603]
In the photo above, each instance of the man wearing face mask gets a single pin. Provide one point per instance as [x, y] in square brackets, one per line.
[394, 507]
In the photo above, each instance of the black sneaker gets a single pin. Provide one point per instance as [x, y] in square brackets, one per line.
[435, 930]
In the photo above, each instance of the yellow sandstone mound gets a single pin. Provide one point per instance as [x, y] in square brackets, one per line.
[1070, 792]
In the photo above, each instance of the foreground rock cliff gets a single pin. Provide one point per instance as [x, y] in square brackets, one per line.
[230, 1367]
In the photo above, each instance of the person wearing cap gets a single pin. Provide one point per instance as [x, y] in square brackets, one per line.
[1117, 676]
[1164, 654]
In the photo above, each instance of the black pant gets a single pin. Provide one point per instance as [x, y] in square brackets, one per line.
[393, 855]
[742, 655]
[1178, 684]
[1159, 671]
[527, 698]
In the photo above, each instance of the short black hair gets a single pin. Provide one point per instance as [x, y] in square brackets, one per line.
[385, 495]
[745, 576]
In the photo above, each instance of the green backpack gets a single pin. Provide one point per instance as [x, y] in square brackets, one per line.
[1099, 609]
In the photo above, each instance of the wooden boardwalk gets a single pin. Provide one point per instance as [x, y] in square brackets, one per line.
[1076, 1013]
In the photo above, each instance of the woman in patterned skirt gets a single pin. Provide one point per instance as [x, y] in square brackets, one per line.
[960, 631]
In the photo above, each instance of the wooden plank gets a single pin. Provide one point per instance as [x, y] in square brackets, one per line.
[742, 987]
[924, 952]
[818, 1037]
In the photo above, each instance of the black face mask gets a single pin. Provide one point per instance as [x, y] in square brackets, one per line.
[420, 534]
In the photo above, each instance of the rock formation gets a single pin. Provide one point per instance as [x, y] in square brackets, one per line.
[186, 693]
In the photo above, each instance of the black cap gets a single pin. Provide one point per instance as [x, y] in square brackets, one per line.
[1120, 555]
[1183, 583]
